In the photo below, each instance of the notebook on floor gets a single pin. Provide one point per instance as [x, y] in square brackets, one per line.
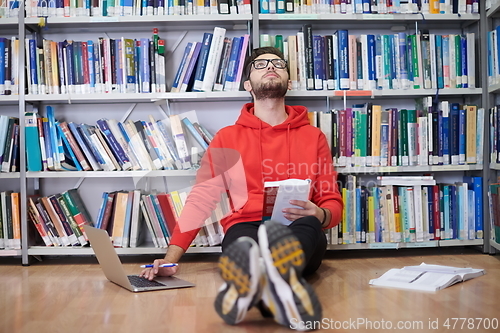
[113, 269]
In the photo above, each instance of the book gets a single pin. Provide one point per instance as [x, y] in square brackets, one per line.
[425, 277]
[277, 195]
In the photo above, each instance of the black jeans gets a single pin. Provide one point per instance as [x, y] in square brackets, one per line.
[307, 230]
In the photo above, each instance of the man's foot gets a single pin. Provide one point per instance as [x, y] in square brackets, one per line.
[240, 268]
[286, 294]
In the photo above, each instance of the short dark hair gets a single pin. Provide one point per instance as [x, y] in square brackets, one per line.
[258, 52]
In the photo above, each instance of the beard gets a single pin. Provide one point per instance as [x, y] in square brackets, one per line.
[269, 90]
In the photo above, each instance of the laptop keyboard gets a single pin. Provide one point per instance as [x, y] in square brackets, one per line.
[141, 282]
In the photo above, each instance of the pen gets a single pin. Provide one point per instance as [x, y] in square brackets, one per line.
[163, 265]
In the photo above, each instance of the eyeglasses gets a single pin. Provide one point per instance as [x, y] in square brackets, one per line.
[263, 63]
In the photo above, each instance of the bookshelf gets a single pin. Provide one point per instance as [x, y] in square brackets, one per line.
[491, 21]
[170, 26]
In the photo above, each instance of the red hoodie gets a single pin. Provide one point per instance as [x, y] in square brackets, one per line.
[292, 149]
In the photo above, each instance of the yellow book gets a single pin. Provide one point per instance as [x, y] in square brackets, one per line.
[176, 199]
[119, 215]
[345, 235]
[471, 121]
[55, 67]
[371, 218]
[16, 220]
[376, 123]
[434, 6]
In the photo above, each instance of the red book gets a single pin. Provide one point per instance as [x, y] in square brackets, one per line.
[167, 207]
[437, 213]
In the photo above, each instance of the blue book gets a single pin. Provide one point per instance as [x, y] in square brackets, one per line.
[264, 6]
[490, 54]
[476, 184]
[379, 62]
[371, 62]
[33, 152]
[160, 216]
[232, 65]
[409, 64]
[192, 130]
[54, 138]
[176, 85]
[202, 61]
[144, 70]
[446, 133]
[70, 162]
[439, 61]
[463, 49]
[446, 60]
[403, 61]
[446, 213]
[114, 145]
[84, 147]
[497, 43]
[454, 131]
[102, 208]
[318, 63]
[462, 219]
[188, 77]
[70, 70]
[357, 213]
[453, 211]
[461, 136]
[86, 131]
[343, 57]
[2, 65]
[32, 75]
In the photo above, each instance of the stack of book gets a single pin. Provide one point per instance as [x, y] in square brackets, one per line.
[9, 144]
[367, 135]
[124, 213]
[10, 220]
[369, 7]
[59, 218]
[134, 8]
[410, 209]
[173, 143]
[213, 64]
[399, 61]
[9, 57]
[107, 65]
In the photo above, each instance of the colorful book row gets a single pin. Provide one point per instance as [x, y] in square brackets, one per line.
[110, 8]
[367, 135]
[214, 64]
[411, 210]
[59, 218]
[397, 61]
[105, 66]
[368, 7]
[10, 220]
[123, 214]
[171, 143]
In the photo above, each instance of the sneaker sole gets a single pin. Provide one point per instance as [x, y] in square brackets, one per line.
[239, 267]
[294, 298]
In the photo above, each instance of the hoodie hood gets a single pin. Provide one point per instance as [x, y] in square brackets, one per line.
[297, 117]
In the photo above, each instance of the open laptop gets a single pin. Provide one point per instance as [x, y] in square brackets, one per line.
[113, 269]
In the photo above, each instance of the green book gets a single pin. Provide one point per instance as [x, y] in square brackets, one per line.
[403, 118]
[458, 60]
[417, 79]
[278, 42]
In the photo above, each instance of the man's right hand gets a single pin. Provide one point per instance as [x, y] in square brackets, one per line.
[150, 273]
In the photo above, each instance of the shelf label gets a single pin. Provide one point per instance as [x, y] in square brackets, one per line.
[353, 93]
[422, 244]
[378, 17]
[297, 17]
[104, 19]
[384, 245]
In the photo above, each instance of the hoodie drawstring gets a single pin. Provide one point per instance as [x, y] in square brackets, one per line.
[289, 149]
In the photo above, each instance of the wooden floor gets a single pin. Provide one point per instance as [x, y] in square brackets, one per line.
[72, 295]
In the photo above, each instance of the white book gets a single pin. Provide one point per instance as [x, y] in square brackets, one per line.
[471, 60]
[277, 196]
[425, 277]
[419, 223]
[148, 221]
[452, 62]
[301, 61]
[432, 48]
[135, 220]
[214, 58]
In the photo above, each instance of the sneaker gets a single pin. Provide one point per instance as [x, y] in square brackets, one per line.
[240, 268]
[286, 294]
